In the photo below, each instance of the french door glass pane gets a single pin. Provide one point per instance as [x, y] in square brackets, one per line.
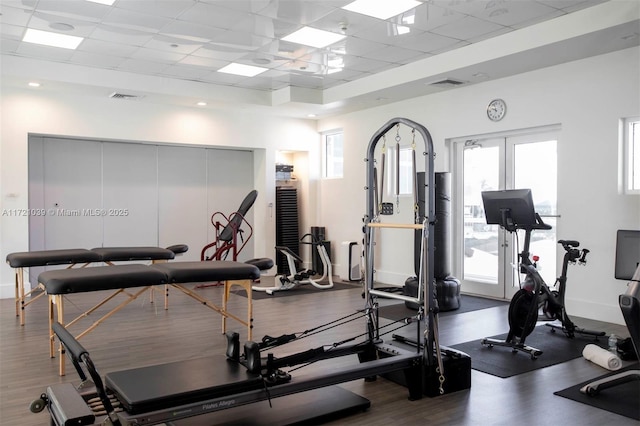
[535, 167]
[481, 173]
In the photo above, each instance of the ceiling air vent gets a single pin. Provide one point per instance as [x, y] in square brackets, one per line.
[116, 95]
[447, 82]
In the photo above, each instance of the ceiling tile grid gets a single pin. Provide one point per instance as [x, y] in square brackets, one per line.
[192, 39]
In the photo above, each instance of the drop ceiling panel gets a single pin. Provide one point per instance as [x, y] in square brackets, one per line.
[92, 59]
[101, 47]
[189, 40]
[165, 8]
[81, 10]
[136, 21]
[212, 15]
[192, 31]
[52, 54]
[119, 35]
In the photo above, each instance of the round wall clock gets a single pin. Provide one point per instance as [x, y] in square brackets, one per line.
[496, 109]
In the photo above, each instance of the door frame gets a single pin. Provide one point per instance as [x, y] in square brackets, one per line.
[503, 290]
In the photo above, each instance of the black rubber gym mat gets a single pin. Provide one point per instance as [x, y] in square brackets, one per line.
[622, 399]
[398, 311]
[500, 361]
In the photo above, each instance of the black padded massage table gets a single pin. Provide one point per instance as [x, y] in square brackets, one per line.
[80, 258]
[61, 283]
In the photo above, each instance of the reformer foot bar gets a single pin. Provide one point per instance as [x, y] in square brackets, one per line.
[61, 283]
[80, 258]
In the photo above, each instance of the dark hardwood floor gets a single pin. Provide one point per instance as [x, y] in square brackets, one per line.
[143, 333]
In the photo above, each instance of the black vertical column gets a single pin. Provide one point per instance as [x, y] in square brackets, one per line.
[442, 228]
[287, 233]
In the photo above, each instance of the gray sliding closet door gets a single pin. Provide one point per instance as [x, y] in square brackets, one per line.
[149, 195]
[72, 176]
[182, 209]
[130, 195]
[229, 181]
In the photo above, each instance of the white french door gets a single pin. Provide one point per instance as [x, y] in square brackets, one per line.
[485, 255]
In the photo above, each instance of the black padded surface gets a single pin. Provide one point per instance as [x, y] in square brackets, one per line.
[208, 270]
[51, 257]
[65, 281]
[168, 385]
[116, 254]
[263, 263]
[178, 248]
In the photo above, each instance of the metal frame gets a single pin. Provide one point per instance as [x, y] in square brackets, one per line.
[426, 284]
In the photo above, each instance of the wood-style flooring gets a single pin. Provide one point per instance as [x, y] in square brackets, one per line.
[143, 333]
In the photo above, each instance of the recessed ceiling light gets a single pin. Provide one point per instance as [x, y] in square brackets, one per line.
[311, 115]
[51, 39]
[313, 37]
[201, 103]
[107, 2]
[241, 69]
[34, 84]
[381, 9]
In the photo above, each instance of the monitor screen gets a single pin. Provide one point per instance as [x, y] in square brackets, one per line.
[518, 203]
[627, 254]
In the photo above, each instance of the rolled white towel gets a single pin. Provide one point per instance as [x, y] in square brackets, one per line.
[602, 357]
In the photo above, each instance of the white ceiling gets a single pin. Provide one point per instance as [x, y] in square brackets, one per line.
[169, 51]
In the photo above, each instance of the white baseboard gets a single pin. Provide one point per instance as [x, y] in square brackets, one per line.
[595, 311]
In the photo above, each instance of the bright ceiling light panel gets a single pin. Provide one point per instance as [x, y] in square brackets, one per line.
[313, 37]
[51, 39]
[381, 9]
[241, 69]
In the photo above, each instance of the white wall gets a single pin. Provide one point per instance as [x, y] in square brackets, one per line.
[49, 113]
[586, 97]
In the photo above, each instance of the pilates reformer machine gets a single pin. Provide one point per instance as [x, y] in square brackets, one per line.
[254, 372]
[79, 258]
[297, 277]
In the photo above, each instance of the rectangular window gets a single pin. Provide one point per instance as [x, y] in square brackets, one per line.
[631, 138]
[333, 154]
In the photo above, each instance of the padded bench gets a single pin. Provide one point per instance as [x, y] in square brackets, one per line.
[63, 282]
[80, 258]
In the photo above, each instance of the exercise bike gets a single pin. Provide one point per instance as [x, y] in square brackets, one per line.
[535, 295]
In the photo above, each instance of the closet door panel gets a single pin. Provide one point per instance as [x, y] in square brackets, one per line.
[183, 215]
[130, 195]
[229, 181]
[71, 172]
